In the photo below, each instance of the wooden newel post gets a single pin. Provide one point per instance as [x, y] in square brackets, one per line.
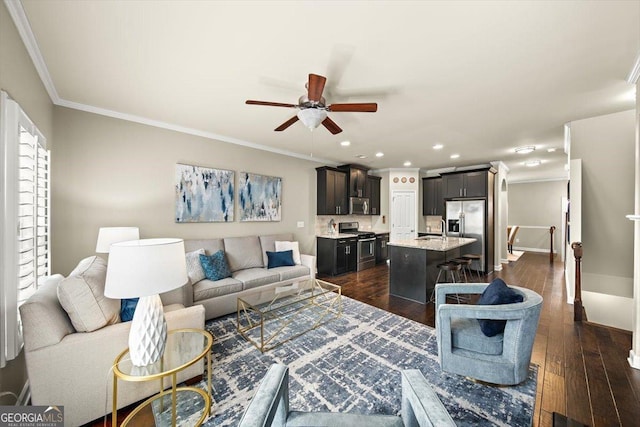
[577, 297]
[551, 230]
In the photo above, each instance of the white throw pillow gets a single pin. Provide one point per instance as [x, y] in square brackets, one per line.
[194, 268]
[292, 246]
[82, 296]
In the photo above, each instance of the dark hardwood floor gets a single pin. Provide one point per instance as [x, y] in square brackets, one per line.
[583, 372]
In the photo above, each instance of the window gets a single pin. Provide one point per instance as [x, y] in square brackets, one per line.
[24, 219]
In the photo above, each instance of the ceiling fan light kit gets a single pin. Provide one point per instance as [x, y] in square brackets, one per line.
[313, 107]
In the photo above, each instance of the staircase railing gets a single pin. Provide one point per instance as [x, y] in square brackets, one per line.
[577, 295]
[551, 230]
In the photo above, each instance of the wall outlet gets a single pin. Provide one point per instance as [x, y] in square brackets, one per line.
[300, 224]
[517, 240]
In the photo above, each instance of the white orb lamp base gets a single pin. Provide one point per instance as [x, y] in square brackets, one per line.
[148, 334]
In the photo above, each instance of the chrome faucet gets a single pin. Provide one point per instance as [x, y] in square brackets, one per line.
[443, 225]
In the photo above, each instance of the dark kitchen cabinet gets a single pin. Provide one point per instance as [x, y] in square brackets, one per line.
[337, 256]
[465, 184]
[432, 201]
[373, 193]
[382, 250]
[356, 179]
[331, 192]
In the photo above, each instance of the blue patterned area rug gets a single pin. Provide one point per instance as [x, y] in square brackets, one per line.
[352, 364]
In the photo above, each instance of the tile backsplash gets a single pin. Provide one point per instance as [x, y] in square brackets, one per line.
[433, 224]
[322, 222]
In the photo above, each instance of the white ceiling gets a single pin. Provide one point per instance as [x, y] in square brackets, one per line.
[479, 77]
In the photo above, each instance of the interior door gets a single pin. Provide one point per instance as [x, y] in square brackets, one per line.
[403, 215]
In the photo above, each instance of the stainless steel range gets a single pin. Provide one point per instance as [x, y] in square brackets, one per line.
[366, 244]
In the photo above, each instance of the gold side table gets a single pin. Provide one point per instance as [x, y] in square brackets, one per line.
[184, 348]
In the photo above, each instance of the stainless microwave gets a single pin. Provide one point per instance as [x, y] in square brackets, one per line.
[358, 206]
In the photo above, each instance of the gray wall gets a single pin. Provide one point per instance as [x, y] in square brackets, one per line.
[111, 172]
[537, 204]
[606, 145]
[19, 78]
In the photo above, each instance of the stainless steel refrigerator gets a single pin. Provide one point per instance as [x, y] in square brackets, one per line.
[466, 218]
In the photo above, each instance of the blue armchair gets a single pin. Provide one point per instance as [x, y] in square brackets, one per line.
[462, 347]
[270, 406]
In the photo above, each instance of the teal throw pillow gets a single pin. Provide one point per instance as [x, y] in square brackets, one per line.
[127, 308]
[280, 259]
[215, 266]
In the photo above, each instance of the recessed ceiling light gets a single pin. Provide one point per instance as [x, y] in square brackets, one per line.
[345, 143]
[407, 163]
[551, 150]
[532, 163]
[379, 154]
[438, 147]
[454, 156]
[361, 156]
[526, 149]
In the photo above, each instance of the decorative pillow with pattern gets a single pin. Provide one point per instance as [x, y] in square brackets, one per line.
[290, 246]
[215, 266]
[194, 267]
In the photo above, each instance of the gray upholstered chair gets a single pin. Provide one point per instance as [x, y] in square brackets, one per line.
[462, 347]
[270, 406]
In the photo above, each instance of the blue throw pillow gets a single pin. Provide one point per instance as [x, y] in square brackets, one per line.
[280, 259]
[497, 293]
[215, 266]
[127, 308]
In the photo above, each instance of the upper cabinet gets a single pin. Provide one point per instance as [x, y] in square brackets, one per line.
[331, 192]
[356, 180]
[432, 201]
[465, 184]
[372, 191]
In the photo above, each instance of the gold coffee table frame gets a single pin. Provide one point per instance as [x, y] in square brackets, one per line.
[124, 371]
[285, 305]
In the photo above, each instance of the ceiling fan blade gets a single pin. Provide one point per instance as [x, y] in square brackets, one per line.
[286, 124]
[369, 107]
[270, 104]
[331, 126]
[315, 87]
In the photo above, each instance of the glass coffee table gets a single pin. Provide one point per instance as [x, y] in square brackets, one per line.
[271, 317]
[184, 348]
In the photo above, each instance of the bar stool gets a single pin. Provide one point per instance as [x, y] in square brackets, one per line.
[465, 264]
[450, 267]
[474, 257]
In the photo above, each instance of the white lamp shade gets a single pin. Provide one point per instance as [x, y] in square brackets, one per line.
[312, 117]
[145, 267]
[110, 235]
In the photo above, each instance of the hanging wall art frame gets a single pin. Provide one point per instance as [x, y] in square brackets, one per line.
[203, 194]
[259, 197]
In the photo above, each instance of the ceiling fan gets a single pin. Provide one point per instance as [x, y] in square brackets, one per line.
[313, 108]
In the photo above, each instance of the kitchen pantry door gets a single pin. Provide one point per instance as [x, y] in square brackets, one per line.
[403, 215]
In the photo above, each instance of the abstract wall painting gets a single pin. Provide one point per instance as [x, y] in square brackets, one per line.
[260, 197]
[203, 194]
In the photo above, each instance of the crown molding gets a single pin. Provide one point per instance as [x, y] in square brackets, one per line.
[24, 29]
[527, 181]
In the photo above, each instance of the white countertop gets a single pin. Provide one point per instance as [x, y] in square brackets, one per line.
[433, 243]
[336, 236]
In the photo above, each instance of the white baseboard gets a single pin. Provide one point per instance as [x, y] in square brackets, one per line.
[541, 250]
[504, 261]
[497, 267]
[634, 360]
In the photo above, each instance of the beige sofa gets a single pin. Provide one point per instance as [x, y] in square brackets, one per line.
[72, 368]
[247, 259]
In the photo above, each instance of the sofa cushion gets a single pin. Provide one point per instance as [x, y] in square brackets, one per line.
[254, 277]
[280, 259]
[268, 243]
[82, 296]
[211, 246]
[243, 252]
[194, 267]
[466, 334]
[287, 273]
[293, 246]
[206, 288]
[497, 293]
[215, 266]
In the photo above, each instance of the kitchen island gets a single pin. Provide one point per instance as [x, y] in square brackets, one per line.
[413, 264]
